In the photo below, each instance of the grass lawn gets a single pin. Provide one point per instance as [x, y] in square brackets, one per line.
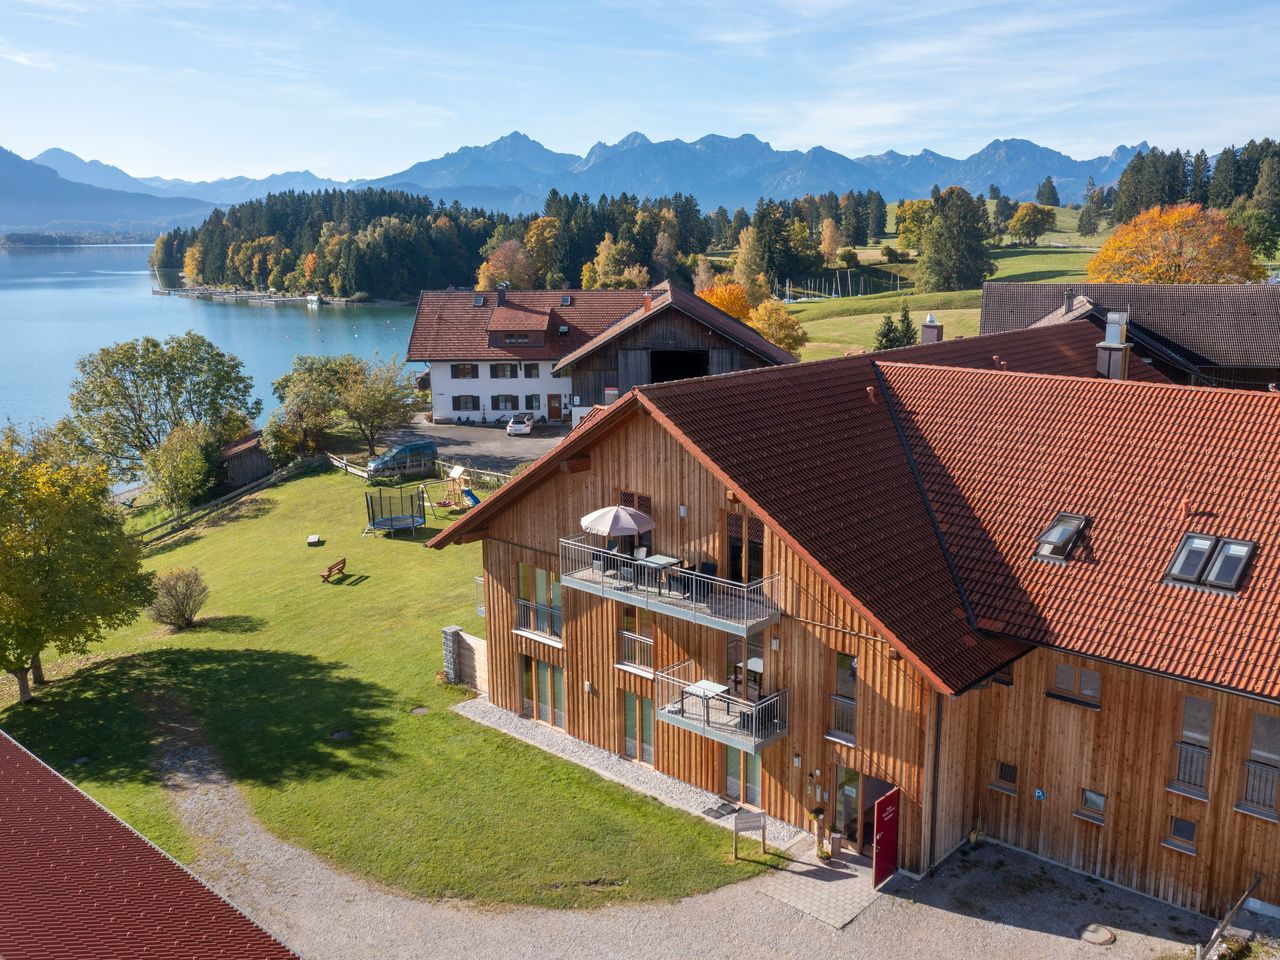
[435, 805]
[836, 336]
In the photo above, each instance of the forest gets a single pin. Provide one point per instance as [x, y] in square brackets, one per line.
[390, 244]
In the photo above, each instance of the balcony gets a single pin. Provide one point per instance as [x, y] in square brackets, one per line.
[844, 720]
[539, 622]
[684, 698]
[737, 608]
[635, 651]
[1190, 770]
[1258, 792]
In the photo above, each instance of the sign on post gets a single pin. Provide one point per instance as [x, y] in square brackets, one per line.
[746, 822]
[884, 853]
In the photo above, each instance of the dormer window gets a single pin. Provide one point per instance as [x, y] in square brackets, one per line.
[1217, 562]
[479, 301]
[1058, 542]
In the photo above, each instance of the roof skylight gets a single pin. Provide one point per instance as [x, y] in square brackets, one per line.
[566, 300]
[479, 301]
[1058, 542]
[1202, 560]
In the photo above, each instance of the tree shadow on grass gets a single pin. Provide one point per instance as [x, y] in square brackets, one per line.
[228, 623]
[250, 508]
[268, 714]
[172, 543]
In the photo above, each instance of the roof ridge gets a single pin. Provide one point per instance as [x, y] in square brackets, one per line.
[918, 477]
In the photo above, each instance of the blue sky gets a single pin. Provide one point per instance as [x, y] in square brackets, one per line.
[206, 88]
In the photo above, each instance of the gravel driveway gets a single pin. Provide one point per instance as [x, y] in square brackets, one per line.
[992, 902]
[488, 448]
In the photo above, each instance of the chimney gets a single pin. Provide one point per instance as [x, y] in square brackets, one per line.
[1068, 299]
[502, 294]
[931, 330]
[1113, 351]
[648, 302]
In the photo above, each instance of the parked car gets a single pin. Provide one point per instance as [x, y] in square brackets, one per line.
[521, 425]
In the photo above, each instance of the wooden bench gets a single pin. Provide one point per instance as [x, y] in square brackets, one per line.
[334, 570]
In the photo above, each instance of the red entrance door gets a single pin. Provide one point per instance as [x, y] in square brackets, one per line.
[884, 851]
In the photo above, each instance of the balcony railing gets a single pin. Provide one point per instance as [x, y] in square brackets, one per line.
[1259, 790]
[744, 724]
[844, 719]
[738, 608]
[538, 618]
[635, 650]
[1190, 768]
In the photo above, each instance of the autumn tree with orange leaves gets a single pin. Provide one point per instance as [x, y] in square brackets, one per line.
[729, 297]
[1184, 243]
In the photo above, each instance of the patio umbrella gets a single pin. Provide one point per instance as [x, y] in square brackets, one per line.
[617, 522]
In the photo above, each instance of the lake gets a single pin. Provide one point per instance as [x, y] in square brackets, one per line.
[59, 303]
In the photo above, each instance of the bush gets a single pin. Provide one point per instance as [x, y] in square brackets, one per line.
[180, 593]
[847, 257]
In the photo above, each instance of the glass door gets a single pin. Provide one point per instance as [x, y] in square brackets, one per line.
[637, 727]
[742, 776]
[846, 819]
[543, 689]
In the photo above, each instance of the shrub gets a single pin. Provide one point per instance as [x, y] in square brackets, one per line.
[180, 593]
[847, 257]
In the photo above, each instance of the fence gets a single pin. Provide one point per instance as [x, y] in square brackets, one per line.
[480, 479]
[1192, 766]
[174, 524]
[635, 650]
[466, 659]
[412, 466]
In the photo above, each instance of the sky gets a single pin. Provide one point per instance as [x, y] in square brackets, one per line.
[201, 89]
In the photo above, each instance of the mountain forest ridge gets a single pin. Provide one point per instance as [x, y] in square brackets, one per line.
[514, 173]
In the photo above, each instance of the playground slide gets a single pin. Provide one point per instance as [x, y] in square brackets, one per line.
[469, 497]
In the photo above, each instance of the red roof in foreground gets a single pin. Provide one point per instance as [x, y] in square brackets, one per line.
[1002, 453]
[77, 883]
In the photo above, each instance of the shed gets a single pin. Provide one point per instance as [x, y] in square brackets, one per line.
[243, 460]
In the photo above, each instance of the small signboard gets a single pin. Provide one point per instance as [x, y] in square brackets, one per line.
[747, 821]
[884, 851]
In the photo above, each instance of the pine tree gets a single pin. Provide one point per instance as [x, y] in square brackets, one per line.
[877, 215]
[906, 329]
[1223, 180]
[993, 192]
[1198, 187]
[954, 254]
[1047, 193]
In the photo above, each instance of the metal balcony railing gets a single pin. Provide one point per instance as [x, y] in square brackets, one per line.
[538, 618]
[1260, 784]
[1190, 767]
[844, 718]
[635, 650]
[687, 594]
[746, 724]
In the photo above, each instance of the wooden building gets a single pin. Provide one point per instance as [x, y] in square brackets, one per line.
[243, 461]
[558, 353]
[1222, 335]
[962, 571]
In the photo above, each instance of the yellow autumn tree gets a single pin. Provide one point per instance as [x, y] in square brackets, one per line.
[914, 217]
[773, 321]
[1184, 243]
[830, 244]
[729, 297]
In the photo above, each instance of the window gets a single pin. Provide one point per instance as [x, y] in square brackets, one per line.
[531, 401]
[464, 371]
[531, 371]
[847, 675]
[543, 688]
[637, 743]
[1182, 835]
[504, 371]
[1261, 775]
[479, 300]
[637, 501]
[505, 401]
[562, 330]
[844, 702]
[466, 403]
[1006, 780]
[566, 300]
[1076, 684]
[1092, 806]
[1216, 562]
[538, 609]
[1057, 543]
[744, 547]
[1191, 752]
[515, 338]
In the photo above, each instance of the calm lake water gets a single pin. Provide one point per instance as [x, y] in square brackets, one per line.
[59, 303]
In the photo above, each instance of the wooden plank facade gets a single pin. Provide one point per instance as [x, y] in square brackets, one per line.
[627, 361]
[941, 751]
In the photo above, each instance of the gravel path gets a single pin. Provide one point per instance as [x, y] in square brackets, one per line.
[994, 902]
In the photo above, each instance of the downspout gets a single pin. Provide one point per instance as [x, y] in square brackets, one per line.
[937, 773]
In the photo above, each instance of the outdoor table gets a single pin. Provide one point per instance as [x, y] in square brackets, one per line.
[657, 563]
[706, 689]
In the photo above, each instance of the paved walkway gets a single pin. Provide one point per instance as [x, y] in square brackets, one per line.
[834, 892]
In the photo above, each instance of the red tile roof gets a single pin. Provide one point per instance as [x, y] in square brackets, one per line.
[665, 296]
[449, 326]
[79, 883]
[514, 319]
[1001, 454]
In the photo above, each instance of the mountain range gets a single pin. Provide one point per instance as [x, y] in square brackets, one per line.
[514, 173]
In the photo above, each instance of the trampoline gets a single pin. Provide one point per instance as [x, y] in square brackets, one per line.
[391, 511]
